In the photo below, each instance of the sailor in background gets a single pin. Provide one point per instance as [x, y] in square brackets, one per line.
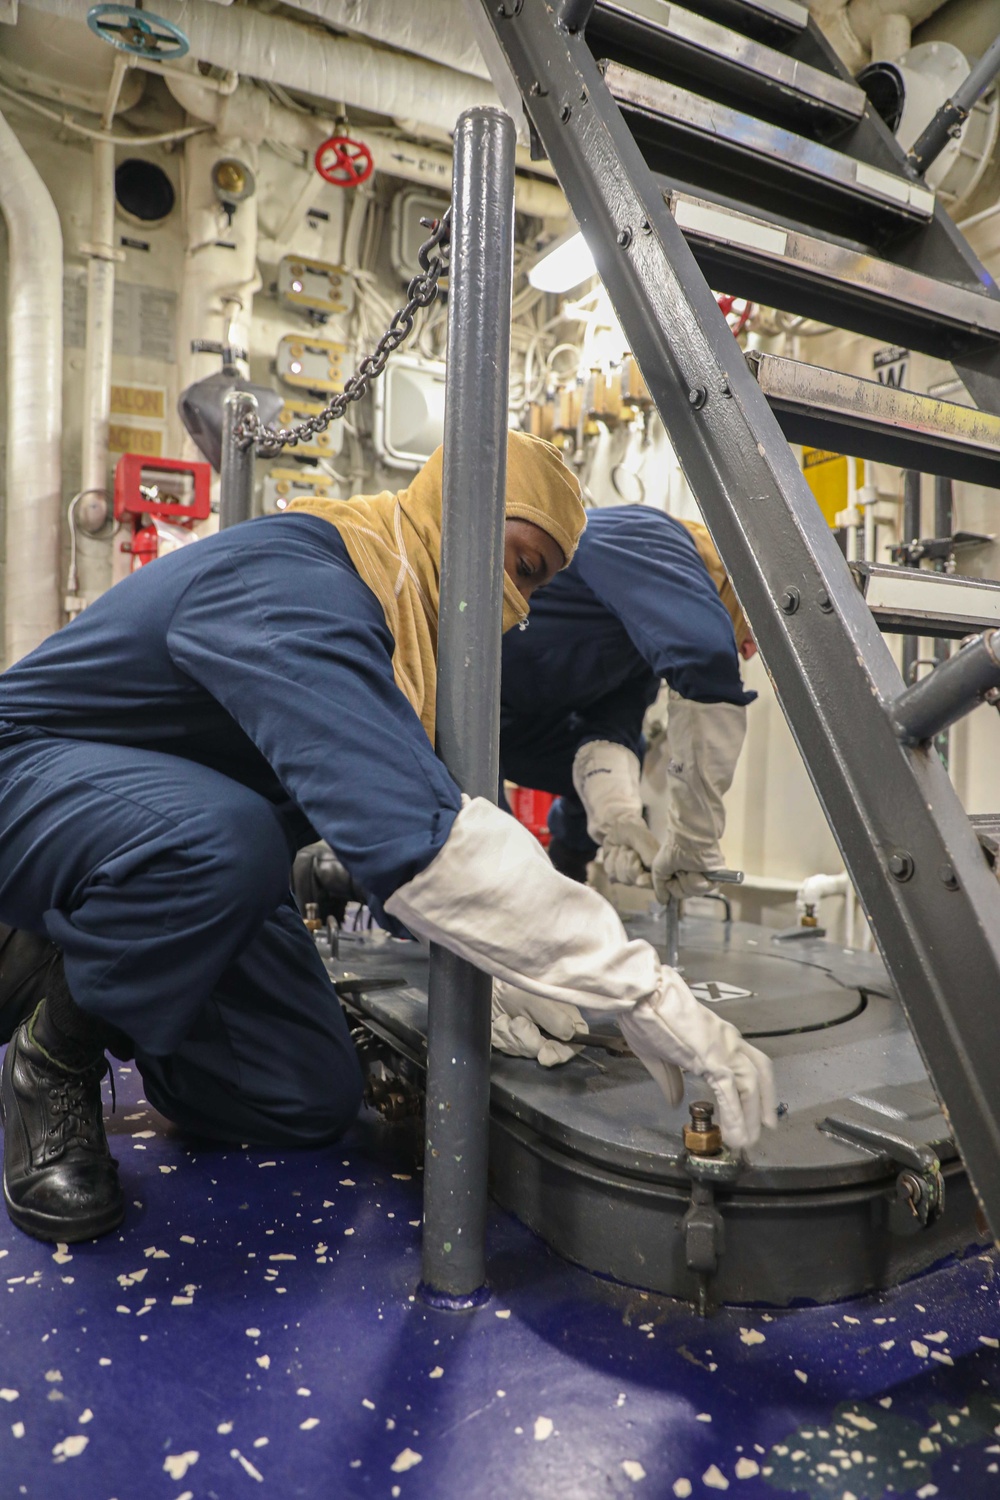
[644, 601]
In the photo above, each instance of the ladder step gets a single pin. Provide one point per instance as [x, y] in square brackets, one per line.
[773, 21]
[743, 157]
[987, 829]
[827, 409]
[913, 601]
[801, 273]
[691, 50]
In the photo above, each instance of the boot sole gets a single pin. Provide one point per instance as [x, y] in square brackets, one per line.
[61, 1231]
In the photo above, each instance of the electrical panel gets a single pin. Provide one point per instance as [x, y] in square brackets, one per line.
[315, 286]
[324, 444]
[282, 486]
[311, 364]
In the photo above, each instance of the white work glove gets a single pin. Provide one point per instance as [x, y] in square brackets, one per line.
[704, 741]
[519, 1020]
[491, 896]
[606, 778]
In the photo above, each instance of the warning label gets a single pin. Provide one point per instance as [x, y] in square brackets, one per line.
[123, 438]
[148, 401]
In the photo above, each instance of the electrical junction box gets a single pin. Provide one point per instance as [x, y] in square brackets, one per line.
[407, 233]
[324, 444]
[282, 486]
[409, 411]
[311, 364]
[170, 488]
[315, 285]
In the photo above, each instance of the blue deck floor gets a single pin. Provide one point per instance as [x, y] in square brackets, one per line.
[252, 1331]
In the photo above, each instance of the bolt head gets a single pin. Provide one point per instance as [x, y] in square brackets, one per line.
[900, 864]
[789, 601]
[697, 396]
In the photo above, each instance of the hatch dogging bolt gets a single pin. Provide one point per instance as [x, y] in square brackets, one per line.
[702, 1137]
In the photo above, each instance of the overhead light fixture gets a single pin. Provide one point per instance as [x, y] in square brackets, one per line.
[563, 266]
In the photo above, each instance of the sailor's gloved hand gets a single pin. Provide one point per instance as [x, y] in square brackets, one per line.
[606, 778]
[491, 896]
[519, 1020]
[629, 849]
[680, 871]
[704, 741]
[672, 1030]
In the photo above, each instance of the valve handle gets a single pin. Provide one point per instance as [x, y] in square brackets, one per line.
[137, 32]
[344, 162]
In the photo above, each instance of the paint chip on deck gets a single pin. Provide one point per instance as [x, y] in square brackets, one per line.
[751, 1336]
[682, 1488]
[177, 1464]
[246, 1465]
[714, 1479]
[747, 1468]
[70, 1447]
[543, 1428]
[503, 1313]
[633, 1470]
[408, 1459]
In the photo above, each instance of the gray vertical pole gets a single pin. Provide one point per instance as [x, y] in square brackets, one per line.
[911, 533]
[944, 525]
[468, 688]
[236, 486]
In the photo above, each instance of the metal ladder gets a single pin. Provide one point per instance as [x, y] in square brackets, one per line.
[807, 203]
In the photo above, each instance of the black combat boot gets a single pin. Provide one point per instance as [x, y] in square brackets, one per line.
[60, 1181]
[26, 961]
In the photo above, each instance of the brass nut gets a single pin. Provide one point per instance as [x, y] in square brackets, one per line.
[703, 1142]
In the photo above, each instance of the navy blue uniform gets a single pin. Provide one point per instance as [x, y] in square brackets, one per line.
[635, 605]
[161, 759]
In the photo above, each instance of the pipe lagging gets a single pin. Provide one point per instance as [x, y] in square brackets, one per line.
[950, 691]
[34, 400]
[306, 58]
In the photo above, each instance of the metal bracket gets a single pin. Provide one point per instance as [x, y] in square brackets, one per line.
[917, 1199]
[703, 1225]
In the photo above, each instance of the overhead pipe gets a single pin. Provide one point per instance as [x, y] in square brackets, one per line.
[303, 57]
[250, 114]
[440, 31]
[853, 26]
[34, 399]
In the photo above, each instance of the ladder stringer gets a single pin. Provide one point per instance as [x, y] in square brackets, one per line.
[933, 903]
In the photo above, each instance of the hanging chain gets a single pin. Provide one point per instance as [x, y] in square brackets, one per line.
[421, 292]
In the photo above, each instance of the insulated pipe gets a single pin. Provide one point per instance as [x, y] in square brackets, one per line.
[468, 692]
[440, 31]
[952, 690]
[101, 256]
[251, 115]
[34, 400]
[257, 45]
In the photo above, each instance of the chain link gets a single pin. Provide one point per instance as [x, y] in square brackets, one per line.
[421, 292]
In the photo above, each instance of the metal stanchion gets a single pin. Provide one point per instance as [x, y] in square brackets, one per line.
[236, 486]
[468, 692]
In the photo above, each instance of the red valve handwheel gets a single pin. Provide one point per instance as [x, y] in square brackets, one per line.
[737, 318]
[344, 162]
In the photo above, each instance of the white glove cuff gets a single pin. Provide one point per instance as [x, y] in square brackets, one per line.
[606, 778]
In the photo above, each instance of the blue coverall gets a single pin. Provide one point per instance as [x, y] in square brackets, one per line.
[161, 760]
[635, 605]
